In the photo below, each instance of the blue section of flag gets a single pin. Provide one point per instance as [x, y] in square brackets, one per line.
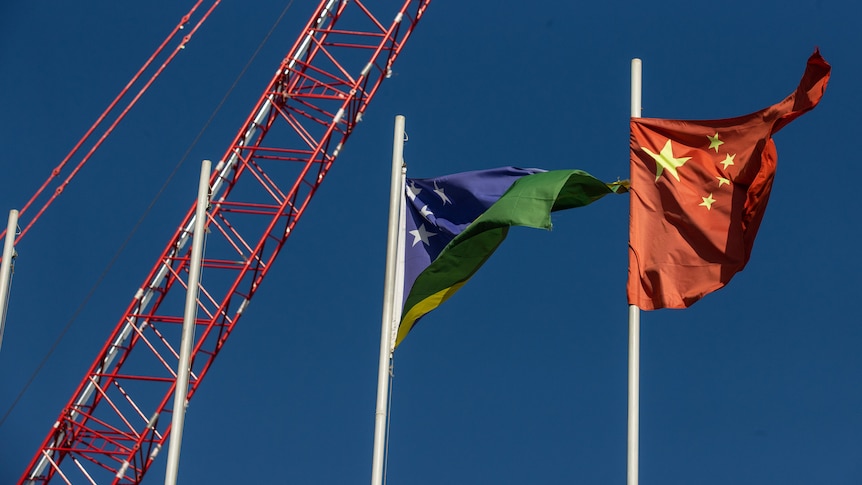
[438, 209]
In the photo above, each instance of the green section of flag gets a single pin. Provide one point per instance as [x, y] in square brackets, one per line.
[528, 202]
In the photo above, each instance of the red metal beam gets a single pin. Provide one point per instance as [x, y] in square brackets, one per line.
[116, 422]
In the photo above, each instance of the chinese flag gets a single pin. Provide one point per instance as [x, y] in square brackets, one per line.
[699, 190]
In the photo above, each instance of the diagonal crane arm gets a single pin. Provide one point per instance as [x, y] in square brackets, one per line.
[118, 418]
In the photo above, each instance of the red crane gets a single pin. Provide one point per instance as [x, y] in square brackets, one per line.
[118, 418]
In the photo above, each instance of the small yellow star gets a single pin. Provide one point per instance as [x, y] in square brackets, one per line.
[722, 181]
[728, 160]
[714, 142]
[666, 161]
[707, 201]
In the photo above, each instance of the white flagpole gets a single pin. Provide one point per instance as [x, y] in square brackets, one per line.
[188, 336]
[634, 328]
[6, 268]
[396, 194]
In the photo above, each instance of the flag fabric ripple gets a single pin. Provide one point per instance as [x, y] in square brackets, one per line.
[699, 192]
[454, 223]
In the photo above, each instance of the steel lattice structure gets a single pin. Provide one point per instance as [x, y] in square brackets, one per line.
[118, 418]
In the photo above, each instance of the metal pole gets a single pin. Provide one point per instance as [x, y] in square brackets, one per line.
[396, 191]
[189, 317]
[634, 328]
[6, 268]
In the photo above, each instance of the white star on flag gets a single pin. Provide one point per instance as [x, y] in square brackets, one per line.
[421, 235]
[413, 190]
[439, 191]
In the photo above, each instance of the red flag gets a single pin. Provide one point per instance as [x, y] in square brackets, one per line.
[699, 191]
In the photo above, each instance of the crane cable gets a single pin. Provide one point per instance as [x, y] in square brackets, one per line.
[56, 172]
[142, 218]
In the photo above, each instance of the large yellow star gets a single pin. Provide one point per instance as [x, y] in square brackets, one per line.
[666, 161]
[707, 201]
[714, 142]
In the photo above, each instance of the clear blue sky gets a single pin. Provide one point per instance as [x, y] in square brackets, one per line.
[521, 377]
